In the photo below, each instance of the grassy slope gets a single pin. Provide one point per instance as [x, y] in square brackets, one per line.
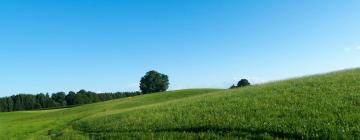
[36, 124]
[322, 106]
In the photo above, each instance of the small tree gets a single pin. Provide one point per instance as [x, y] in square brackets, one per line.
[154, 81]
[243, 83]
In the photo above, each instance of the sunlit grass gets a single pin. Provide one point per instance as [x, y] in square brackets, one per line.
[314, 107]
[37, 124]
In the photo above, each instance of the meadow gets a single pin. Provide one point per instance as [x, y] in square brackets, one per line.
[325, 106]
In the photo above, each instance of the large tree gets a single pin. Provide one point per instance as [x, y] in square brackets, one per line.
[154, 81]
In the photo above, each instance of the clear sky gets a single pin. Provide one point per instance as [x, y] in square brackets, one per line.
[105, 45]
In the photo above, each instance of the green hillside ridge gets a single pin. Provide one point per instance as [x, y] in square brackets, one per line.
[325, 106]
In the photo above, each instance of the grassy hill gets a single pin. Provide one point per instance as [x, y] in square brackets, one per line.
[321, 106]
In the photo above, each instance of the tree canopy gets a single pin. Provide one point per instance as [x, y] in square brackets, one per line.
[241, 83]
[154, 81]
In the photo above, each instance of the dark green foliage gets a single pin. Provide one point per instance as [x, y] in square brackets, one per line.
[3, 105]
[59, 99]
[49, 103]
[241, 83]
[154, 81]
[41, 101]
[10, 104]
[70, 98]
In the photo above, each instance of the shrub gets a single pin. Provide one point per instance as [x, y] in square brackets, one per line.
[243, 83]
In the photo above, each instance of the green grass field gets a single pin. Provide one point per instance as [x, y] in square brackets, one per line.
[323, 106]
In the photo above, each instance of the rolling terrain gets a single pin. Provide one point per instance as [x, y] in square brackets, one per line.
[325, 106]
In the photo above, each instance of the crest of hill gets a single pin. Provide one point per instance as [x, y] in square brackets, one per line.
[325, 106]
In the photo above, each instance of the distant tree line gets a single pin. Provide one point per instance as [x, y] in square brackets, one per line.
[152, 82]
[57, 100]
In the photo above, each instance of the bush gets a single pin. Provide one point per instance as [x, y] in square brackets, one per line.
[241, 83]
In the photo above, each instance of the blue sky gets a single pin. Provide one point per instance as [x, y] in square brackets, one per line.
[63, 45]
